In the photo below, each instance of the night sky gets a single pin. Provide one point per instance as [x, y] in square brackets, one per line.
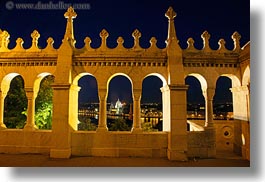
[120, 18]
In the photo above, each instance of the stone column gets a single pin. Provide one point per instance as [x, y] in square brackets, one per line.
[61, 130]
[177, 137]
[31, 96]
[2, 105]
[137, 93]
[74, 89]
[166, 107]
[241, 102]
[102, 122]
[210, 131]
[208, 95]
[248, 101]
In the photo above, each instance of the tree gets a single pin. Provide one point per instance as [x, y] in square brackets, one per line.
[43, 104]
[148, 127]
[119, 124]
[87, 125]
[15, 104]
[15, 115]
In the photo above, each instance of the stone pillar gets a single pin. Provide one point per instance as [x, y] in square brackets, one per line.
[210, 131]
[137, 93]
[102, 122]
[31, 96]
[247, 91]
[2, 105]
[60, 121]
[74, 90]
[241, 103]
[208, 95]
[166, 107]
[177, 137]
[64, 120]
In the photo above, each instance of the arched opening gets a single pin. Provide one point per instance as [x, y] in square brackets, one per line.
[246, 83]
[246, 77]
[44, 101]
[88, 103]
[223, 101]
[15, 104]
[195, 98]
[119, 103]
[151, 104]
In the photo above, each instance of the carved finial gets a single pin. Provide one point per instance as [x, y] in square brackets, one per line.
[104, 35]
[153, 42]
[4, 40]
[50, 42]
[236, 37]
[87, 42]
[70, 13]
[69, 32]
[190, 43]
[35, 36]
[49, 46]
[206, 36]
[19, 46]
[221, 43]
[170, 14]
[120, 42]
[136, 35]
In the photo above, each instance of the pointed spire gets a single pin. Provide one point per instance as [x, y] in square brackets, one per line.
[69, 32]
[171, 14]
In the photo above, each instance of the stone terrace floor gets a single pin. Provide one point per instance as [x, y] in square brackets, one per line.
[29, 160]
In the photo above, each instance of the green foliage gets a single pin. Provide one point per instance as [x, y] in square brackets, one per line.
[15, 104]
[119, 124]
[43, 116]
[15, 115]
[43, 104]
[148, 127]
[86, 125]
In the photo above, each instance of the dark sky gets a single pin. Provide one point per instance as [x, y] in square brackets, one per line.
[121, 18]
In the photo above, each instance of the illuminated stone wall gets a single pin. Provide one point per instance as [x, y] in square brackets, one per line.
[171, 64]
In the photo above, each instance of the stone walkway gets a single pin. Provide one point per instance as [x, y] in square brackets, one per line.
[29, 160]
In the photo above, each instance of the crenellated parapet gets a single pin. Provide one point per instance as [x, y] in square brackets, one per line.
[35, 35]
[136, 34]
[208, 57]
[119, 55]
[206, 46]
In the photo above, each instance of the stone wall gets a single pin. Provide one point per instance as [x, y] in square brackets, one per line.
[242, 138]
[224, 135]
[120, 144]
[197, 146]
[17, 141]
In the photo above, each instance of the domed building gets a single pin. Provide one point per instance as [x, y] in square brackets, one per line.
[118, 107]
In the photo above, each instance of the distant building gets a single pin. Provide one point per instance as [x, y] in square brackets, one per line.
[117, 108]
